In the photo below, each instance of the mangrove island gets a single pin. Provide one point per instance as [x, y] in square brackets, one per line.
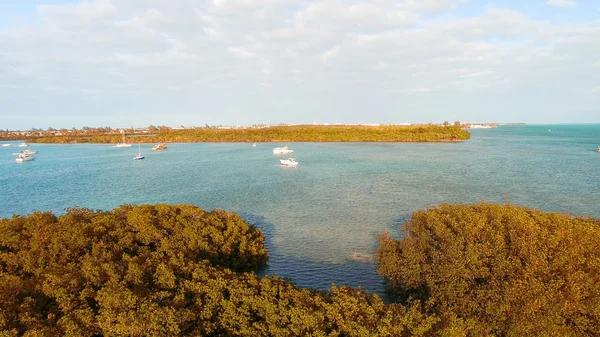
[292, 133]
[163, 270]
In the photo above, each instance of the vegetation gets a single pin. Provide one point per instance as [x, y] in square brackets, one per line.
[301, 133]
[171, 271]
[161, 270]
[505, 270]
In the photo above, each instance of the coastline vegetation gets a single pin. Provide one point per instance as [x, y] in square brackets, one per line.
[298, 133]
[505, 270]
[169, 271]
[164, 270]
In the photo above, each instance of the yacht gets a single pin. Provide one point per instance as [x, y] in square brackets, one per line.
[23, 158]
[598, 148]
[139, 155]
[282, 150]
[29, 152]
[7, 144]
[254, 145]
[290, 162]
[23, 145]
[158, 147]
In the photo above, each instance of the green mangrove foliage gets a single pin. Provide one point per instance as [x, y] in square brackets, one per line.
[173, 271]
[300, 133]
[505, 270]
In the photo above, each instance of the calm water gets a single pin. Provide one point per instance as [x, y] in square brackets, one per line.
[335, 203]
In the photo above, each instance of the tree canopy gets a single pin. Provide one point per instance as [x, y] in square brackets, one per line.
[171, 271]
[164, 270]
[506, 270]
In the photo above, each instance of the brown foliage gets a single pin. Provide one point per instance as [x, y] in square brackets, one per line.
[172, 271]
[515, 271]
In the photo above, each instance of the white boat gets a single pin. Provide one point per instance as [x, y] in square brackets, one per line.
[282, 150]
[123, 144]
[23, 158]
[29, 152]
[290, 162]
[159, 147]
[598, 148]
[6, 144]
[23, 145]
[254, 145]
[139, 155]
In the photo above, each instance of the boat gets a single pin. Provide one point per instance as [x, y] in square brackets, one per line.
[254, 145]
[158, 147]
[29, 152]
[139, 155]
[282, 150]
[123, 144]
[598, 148]
[23, 145]
[23, 158]
[290, 162]
[6, 144]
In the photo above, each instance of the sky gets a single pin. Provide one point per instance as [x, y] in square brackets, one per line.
[71, 63]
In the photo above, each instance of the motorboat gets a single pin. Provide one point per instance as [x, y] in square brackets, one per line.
[23, 158]
[254, 145]
[290, 162]
[158, 147]
[7, 144]
[282, 150]
[598, 148]
[29, 152]
[139, 155]
[23, 145]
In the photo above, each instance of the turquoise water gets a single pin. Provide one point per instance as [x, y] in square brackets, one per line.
[330, 208]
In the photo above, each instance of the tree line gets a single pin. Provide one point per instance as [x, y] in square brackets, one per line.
[299, 133]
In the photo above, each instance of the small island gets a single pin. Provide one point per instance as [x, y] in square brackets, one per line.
[283, 133]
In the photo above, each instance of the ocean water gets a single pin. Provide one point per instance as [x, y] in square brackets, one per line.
[323, 217]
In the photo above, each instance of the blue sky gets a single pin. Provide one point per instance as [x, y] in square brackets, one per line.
[195, 62]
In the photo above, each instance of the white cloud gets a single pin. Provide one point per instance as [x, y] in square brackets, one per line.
[295, 56]
[428, 6]
[330, 54]
[561, 3]
[240, 52]
[80, 14]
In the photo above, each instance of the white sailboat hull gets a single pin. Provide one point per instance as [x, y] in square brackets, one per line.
[288, 162]
[282, 150]
[24, 159]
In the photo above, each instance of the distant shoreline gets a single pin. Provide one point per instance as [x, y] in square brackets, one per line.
[282, 134]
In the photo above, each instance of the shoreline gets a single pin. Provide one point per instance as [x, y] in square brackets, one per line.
[248, 142]
[282, 134]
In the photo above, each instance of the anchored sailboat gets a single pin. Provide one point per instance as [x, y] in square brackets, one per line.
[123, 144]
[139, 155]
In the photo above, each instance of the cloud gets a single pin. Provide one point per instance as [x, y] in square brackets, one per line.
[80, 14]
[309, 59]
[561, 3]
[240, 52]
[329, 54]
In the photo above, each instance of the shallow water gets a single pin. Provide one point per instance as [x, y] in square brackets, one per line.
[323, 217]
